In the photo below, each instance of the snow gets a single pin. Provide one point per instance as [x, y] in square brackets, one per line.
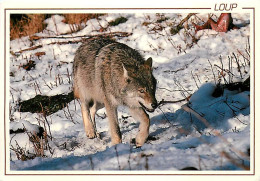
[178, 139]
[56, 25]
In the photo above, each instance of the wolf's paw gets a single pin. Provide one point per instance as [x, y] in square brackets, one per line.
[141, 138]
[138, 145]
[133, 141]
[116, 141]
[91, 135]
[139, 141]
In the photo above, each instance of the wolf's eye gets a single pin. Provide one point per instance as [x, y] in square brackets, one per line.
[128, 80]
[141, 90]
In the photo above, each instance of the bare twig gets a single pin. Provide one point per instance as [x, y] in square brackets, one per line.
[184, 90]
[183, 68]
[37, 85]
[117, 156]
[234, 113]
[170, 102]
[129, 156]
[238, 66]
[91, 163]
[213, 72]
[31, 48]
[176, 29]
[46, 84]
[68, 74]
[46, 121]
[224, 70]
[194, 80]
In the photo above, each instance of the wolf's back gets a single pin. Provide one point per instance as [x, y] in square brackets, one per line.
[88, 51]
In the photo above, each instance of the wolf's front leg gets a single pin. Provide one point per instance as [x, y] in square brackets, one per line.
[142, 116]
[116, 137]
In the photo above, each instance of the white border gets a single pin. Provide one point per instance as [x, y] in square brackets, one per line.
[206, 5]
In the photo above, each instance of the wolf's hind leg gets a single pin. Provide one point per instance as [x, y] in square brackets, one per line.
[89, 127]
[96, 106]
[142, 116]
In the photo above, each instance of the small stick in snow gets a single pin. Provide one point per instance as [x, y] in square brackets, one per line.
[238, 66]
[31, 48]
[170, 102]
[117, 156]
[194, 80]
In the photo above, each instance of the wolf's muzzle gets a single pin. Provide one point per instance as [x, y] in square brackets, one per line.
[154, 105]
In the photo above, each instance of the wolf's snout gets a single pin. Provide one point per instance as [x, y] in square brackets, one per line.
[154, 105]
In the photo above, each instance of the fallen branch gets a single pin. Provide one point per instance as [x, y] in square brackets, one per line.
[118, 33]
[83, 38]
[31, 48]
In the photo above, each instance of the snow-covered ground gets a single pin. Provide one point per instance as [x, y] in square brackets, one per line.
[216, 138]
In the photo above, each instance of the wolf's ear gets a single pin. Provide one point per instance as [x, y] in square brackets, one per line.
[126, 77]
[149, 62]
[125, 72]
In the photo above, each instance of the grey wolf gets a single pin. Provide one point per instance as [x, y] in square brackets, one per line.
[108, 73]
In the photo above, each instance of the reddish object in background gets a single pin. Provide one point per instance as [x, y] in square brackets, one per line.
[224, 23]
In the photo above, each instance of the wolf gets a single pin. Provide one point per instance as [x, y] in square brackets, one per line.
[108, 74]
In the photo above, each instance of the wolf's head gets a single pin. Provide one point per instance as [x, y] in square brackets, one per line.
[139, 86]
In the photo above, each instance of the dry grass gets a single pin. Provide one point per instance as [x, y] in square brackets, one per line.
[29, 24]
[26, 25]
[78, 21]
